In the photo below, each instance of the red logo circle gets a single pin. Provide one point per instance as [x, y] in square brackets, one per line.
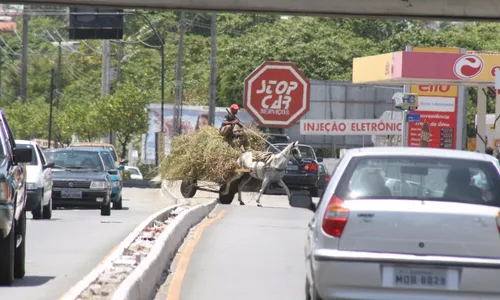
[493, 70]
[468, 66]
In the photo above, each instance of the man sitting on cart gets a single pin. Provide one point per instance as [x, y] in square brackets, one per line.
[228, 131]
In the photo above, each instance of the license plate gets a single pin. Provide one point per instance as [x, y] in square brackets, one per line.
[292, 168]
[69, 194]
[423, 278]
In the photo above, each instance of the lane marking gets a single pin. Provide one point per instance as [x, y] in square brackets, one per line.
[174, 289]
[99, 263]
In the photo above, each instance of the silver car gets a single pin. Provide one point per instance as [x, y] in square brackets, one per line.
[440, 241]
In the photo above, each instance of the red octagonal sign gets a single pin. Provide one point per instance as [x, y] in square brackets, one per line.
[277, 94]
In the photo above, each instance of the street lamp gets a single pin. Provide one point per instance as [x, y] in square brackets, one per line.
[162, 50]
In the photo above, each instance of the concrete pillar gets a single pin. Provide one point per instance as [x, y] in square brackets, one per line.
[481, 118]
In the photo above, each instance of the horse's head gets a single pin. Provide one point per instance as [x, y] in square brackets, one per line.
[295, 151]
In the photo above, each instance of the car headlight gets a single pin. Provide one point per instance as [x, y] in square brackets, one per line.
[31, 186]
[98, 185]
[115, 183]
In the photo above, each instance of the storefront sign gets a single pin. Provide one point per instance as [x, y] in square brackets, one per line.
[350, 127]
[437, 109]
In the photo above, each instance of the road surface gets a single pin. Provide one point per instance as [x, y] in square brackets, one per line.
[251, 253]
[63, 250]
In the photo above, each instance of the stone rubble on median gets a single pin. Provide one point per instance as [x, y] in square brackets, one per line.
[108, 281]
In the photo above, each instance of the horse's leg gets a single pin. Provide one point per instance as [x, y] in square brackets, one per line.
[241, 186]
[265, 182]
[230, 181]
[287, 191]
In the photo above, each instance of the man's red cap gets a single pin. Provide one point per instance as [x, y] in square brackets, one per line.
[235, 107]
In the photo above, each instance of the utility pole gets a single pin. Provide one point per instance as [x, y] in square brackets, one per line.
[51, 98]
[105, 76]
[58, 82]
[213, 70]
[24, 57]
[178, 82]
[119, 62]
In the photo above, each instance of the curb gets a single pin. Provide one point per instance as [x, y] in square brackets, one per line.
[77, 289]
[141, 283]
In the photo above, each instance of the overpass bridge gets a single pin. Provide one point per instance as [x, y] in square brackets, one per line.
[465, 10]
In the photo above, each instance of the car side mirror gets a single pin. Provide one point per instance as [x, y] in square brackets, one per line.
[302, 200]
[320, 159]
[124, 162]
[23, 155]
[49, 165]
[120, 168]
[112, 172]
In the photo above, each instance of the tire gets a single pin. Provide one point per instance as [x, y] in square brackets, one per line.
[228, 199]
[7, 257]
[20, 254]
[38, 211]
[189, 188]
[311, 294]
[106, 209]
[119, 204]
[47, 210]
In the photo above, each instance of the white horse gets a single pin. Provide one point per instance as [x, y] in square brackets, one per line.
[270, 169]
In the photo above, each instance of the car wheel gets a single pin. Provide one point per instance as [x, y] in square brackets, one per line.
[119, 204]
[47, 210]
[106, 209]
[20, 255]
[311, 293]
[7, 257]
[38, 211]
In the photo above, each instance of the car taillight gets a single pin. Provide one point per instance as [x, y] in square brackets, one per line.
[327, 178]
[311, 167]
[335, 217]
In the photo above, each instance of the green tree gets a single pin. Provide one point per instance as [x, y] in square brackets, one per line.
[126, 114]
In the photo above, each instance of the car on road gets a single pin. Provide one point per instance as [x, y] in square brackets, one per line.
[13, 195]
[114, 173]
[135, 173]
[80, 178]
[324, 177]
[38, 182]
[300, 177]
[366, 242]
[110, 147]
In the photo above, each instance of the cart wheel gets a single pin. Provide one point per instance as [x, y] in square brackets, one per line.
[189, 188]
[228, 199]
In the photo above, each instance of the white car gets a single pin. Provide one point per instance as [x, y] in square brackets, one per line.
[38, 182]
[367, 242]
[135, 173]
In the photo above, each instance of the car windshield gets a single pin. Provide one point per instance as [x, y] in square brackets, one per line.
[133, 171]
[113, 153]
[306, 152]
[421, 178]
[34, 160]
[72, 159]
[108, 160]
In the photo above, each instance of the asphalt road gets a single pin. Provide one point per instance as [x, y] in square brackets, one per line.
[251, 253]
[63, 250]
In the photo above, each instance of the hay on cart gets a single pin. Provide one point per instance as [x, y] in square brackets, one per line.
[205, 156]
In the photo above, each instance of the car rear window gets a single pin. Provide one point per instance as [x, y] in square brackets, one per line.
[34, 160]
[421, 178]
[133, 171]
[306, 152]
[274, 139]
